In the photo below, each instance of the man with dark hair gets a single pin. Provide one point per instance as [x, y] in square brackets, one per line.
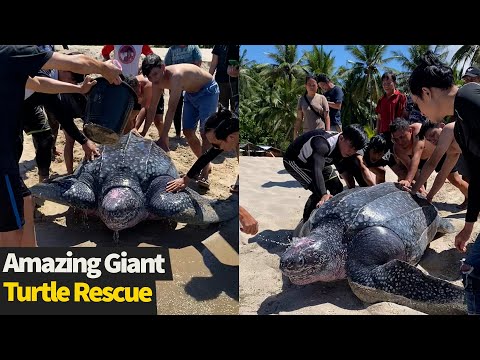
[200, 101]
[373, 158]
[434, 91]
[443, 160]
[308, 158]
[334, 95]
[224, 65]
[390, 106]
[409, 149]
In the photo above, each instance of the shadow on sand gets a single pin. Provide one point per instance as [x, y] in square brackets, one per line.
[225, 278]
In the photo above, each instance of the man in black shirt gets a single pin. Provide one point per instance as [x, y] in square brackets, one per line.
[434, 91]
[18, 65]
[224, 58]
[308, 158]
[334, 95]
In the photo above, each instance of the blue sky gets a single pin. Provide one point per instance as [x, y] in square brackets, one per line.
[257, 53]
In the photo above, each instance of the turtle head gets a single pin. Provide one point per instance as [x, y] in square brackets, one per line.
[319, 256]
[122, 205]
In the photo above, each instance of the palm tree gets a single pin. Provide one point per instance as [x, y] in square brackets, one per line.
[278, 113]
[365, 74]
[319, 62]
[466, 53]
[249, 75]
[286, 63]
[414, 58]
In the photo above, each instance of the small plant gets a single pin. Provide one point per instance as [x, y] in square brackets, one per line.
[369, 130]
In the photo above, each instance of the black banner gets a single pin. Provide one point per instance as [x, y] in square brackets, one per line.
[80, 280]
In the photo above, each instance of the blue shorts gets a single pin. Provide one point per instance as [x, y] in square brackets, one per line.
[12, 192]
[200, 105]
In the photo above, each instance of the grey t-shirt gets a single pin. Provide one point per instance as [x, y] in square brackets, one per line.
[312, 121]
[189, 54]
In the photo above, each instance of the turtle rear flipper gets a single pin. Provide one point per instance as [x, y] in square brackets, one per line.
[376, 272]
[187, 206]
[445, 226]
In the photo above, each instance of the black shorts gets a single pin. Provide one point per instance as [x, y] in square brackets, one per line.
[304, 175]
[160, 106]
[34, 119]
[12, 192]
[440, 164]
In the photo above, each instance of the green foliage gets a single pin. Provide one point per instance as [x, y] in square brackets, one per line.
[269, 92]
[465, 54]
[319, 62]
[411, 60]
[369, 130]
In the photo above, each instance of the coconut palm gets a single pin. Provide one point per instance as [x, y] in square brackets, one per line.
[413, 59]
[279, 111]
[249, 75]
[286, 63]
[466, 54]
[319, 62]
[365, 74]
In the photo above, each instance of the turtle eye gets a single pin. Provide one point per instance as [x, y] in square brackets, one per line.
[301, 261]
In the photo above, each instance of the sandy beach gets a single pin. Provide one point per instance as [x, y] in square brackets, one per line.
[276, 200]
[204, 258]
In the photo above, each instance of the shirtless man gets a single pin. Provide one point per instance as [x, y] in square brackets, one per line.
[409, 149]
[143, 89]
[200, 101]
[443, 160]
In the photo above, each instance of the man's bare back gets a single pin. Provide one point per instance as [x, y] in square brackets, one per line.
[187, 77]
[408, 149]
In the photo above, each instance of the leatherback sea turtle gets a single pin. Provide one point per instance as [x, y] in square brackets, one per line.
[126, 185]
[374, 237]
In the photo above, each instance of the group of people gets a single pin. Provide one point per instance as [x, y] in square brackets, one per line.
[412, 139]
[40, 87]
[19, 67]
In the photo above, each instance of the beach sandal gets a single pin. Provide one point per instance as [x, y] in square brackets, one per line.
[203, 183]
[234, 188]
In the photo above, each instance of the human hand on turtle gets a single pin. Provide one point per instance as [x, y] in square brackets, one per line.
[177, 184]
[90, 150]
[323, 199]
[405, 184]
[135, 132]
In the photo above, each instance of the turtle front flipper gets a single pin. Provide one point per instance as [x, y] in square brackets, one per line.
[186, 206]
[67, 190]
[376, 272]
